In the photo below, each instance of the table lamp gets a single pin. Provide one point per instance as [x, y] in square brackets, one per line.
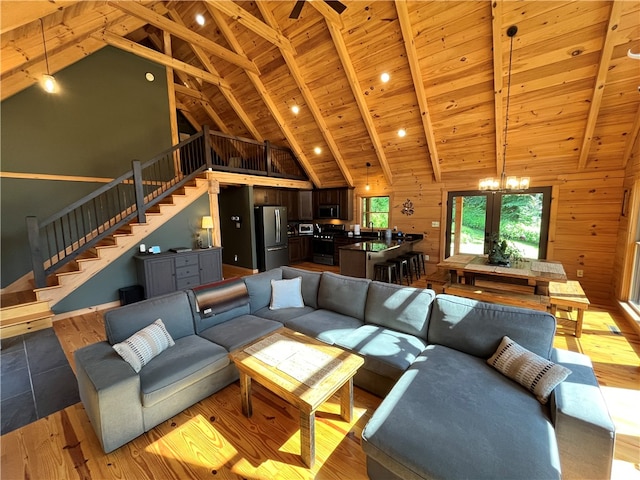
[207, 222]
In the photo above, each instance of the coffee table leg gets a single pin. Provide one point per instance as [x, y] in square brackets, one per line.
[245, 394]
[346, 400]
[308, 438]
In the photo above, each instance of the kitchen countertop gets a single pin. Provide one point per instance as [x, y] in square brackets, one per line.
[379, 245]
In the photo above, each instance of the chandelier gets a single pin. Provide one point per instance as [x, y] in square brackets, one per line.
[504, 182]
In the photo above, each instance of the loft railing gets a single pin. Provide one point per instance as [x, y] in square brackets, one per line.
[65, 235]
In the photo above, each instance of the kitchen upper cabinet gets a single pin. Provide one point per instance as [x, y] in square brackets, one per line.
[343, 197]
[267, 196]
[305, 205]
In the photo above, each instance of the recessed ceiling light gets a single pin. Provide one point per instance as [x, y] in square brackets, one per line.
[402, 132]
[317, 150]
[295, 109]
[200, 19]
[149, 76]
[385, 77]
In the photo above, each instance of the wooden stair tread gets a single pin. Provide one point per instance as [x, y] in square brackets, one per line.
[25, 318]
[5, 322]
[529, 300]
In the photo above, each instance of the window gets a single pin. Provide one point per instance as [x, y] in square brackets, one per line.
[634, 292]
[521, 218]
[375, 212]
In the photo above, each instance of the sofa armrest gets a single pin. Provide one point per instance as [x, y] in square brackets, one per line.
[584, 429]
[110, 392]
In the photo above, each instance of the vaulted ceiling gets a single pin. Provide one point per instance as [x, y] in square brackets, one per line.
[574, 100]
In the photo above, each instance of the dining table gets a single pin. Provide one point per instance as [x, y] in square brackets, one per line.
[533, 273]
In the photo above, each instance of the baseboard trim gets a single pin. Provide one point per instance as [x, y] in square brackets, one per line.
[86, 311]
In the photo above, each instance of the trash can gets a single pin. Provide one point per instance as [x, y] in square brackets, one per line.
[131, 294]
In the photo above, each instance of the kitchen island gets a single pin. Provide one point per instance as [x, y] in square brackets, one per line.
[359, 259]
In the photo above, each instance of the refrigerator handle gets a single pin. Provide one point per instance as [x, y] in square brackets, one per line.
[278, 234]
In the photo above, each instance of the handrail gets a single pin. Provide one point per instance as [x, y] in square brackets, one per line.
[65, 235]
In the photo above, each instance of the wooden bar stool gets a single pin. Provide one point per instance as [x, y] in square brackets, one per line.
[385, 272]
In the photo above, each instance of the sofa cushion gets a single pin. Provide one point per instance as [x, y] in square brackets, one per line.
[259, 287]
[283, 314]
[310, 283]
[452, 416]
[386, 352]
[477, 328]
[141, 347]
[404, 309]
[345, 295]
[539, 375]
[240, 331]
[191, 359]
[286, 293]
[174, 309]
[324, 325]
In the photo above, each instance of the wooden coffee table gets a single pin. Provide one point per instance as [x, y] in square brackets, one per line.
[305, 386]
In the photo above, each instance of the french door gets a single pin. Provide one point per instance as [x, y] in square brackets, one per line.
[520, 218]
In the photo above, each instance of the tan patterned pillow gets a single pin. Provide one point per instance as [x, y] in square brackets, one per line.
[539, 375]
[141, 347]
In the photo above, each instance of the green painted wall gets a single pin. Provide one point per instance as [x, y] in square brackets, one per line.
[180, 231]
[106, 115]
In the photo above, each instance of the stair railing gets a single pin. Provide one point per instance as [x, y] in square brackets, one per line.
[64, 236]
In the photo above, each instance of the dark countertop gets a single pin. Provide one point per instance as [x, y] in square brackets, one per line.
[379, 245]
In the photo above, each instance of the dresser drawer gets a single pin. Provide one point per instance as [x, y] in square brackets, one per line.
[188, 271]
[185, 260]
[187, 282]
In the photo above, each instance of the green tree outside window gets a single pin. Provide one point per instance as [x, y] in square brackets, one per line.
[375, 210]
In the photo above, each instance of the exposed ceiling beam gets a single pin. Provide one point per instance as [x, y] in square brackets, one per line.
[294, 69]
[498, 81]
[228, 95]
[266, 98]
[185, 34]
[144, 52]
[345, 59]
[632, 138]
[328, 13]
[416, 74]
[15, 14]
[601, 79]
[258, 27]
[171, 93]
[190, 92]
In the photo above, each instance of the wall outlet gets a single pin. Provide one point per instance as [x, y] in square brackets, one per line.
[580, 273]
[435, 224]
[426, 258]
[235, 258]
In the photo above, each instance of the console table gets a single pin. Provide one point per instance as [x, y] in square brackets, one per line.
[167, 272]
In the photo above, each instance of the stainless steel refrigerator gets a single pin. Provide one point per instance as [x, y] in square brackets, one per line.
[272, 243]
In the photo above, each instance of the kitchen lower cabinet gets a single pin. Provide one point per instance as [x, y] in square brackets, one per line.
[167, 272]
[300, 249]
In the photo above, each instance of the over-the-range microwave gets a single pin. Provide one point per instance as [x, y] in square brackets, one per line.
[329, 211]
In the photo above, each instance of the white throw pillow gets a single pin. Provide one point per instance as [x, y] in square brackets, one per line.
[141, 347]
[538, 375]
[286, 293]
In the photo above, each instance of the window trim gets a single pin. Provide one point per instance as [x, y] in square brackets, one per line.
[362, 211]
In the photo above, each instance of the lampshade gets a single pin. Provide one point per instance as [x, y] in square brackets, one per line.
[207, 221]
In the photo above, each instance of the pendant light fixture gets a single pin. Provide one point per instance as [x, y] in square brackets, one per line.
[505, 183]
[48, 81]
[367, 187]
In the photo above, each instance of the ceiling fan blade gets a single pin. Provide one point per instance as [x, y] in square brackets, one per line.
[337, 6]
[295, 13]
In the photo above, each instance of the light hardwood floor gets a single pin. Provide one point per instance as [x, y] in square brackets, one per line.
[212, 439]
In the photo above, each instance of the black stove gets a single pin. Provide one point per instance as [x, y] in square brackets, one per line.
[323, 243]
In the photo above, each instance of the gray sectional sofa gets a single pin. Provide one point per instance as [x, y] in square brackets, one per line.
[446, 413]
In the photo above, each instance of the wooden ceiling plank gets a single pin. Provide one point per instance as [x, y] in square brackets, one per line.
[185, 34]
[266, 98]
[258, 27]
[312, 105]
[228, 95]
[144, 52]
[632, 138]
[416, 74]
[328, 13]
[601, 78]
[341, 48]
[498, 80]
[18, 14]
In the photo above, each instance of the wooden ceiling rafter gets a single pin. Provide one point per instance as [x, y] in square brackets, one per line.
[632, 138]
[601, 80]
[309, 99]
[185, 34]
[328, 13]
[228, 95]
[347, 65]
[171, 93]
[13, 18]
[418, 84]
[254, 24]
[266, 98]
[498, 80]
